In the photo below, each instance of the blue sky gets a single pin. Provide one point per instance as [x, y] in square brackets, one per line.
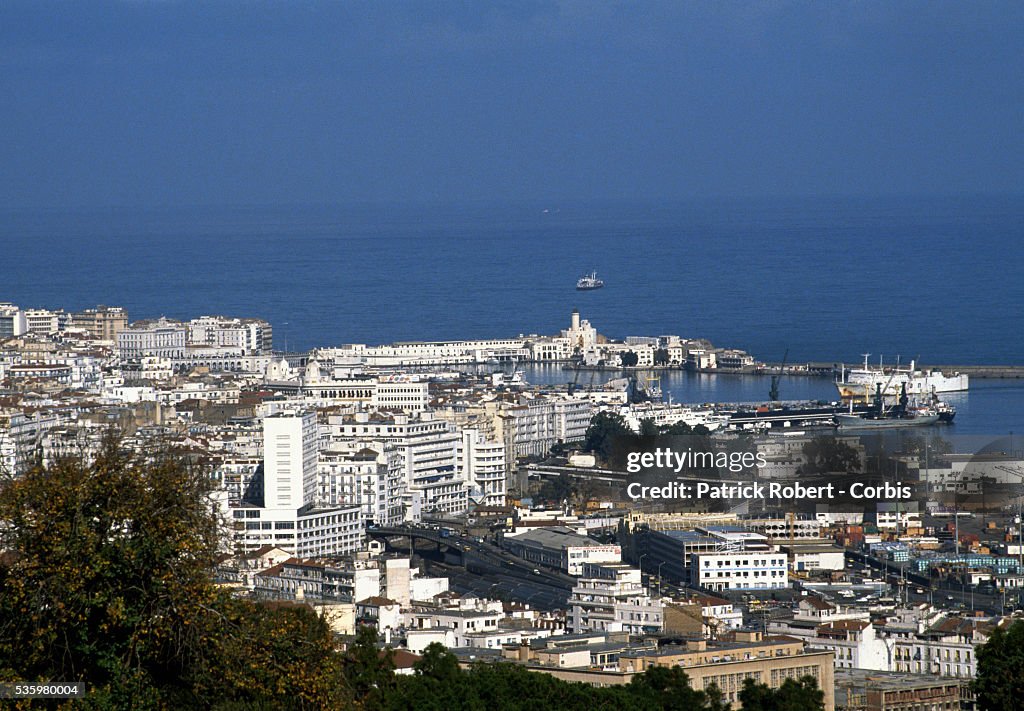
[239, 103]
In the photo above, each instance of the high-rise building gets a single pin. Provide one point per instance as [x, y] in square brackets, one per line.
[12, 321]
[290, 446]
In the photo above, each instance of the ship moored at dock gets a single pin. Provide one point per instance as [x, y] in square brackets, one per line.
[862, 383]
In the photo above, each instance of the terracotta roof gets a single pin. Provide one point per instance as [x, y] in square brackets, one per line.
[708, 601]
[844, 625]
[275, 570]
[376, 601]
[817, 603]
[403, 658]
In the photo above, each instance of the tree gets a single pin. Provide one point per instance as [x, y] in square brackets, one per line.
[829, 454]
[792, 695]
[661, 356]
[999, 683]
[648, 428]
[558, 489]
[679, 429]
[604, 428]
[106, 579]
[368, 672]
[629, 359]
[669, 688]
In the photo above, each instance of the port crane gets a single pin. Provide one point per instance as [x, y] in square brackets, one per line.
[773, 394]
[575, 377]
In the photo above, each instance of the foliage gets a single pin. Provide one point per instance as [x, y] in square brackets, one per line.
[829, 454]
[629, 359]
[999, 684]
[604, 428]
[648, 428]
[106, 579]
[661, 356]
[368, 672]
[557, 489]
[439, 684]
[792, 695]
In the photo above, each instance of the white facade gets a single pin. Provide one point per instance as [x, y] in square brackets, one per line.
[402, 396]
[366, 474]
[429, 452]
[308, 532]
[482, 466]
[290, 445]
[250, 336]
[855, 643]
[42, 321]
[611, 598]
[12, 321]
[534, 425]
[740, 570]
[161, 338]
[432, 352]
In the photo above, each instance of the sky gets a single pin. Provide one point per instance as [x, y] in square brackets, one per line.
[164, 103]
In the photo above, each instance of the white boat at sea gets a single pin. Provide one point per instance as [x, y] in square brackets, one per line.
[862, 383]
[588, 282]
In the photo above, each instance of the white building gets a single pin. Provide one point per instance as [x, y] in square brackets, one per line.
[163, 338]
[580, 336]
[482, 466]
[42, 321]
[251, 336]
[562, 548]
[610, 597]
[363, 473]
[290, 446]
[12, 321]
[289, 517]
[855, 643]
[21, 436]
[429, 451]
[393, 393]
[740, 570]
[535, 424]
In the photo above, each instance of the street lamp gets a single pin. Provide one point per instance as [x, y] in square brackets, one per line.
[659, 576]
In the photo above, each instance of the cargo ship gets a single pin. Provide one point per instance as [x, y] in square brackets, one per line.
[796, 415]
[861, 383]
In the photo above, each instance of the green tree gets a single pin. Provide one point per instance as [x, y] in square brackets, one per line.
[106, 579]
[558, 489]
[661, 356]
[604, 428]
[679, 429]
[629, 359]
[792, 695]
[999, 683]
[368, 672]
[829, 454]
[648, 428]
[669, 688]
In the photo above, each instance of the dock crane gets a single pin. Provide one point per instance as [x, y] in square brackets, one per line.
[575, 377]
[773, 394]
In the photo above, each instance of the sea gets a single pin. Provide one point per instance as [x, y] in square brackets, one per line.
[938, 279]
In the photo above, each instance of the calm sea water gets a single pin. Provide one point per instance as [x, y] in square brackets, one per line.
[939, 279]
